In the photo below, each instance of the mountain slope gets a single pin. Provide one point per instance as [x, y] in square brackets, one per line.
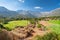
[28, 14]
[7, 13]
[55, 12]
[25, 14]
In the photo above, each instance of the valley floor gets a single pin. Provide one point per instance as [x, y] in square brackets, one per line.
[29, 32]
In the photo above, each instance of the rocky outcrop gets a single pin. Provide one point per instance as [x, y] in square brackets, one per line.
[5, 35]
[21, 33]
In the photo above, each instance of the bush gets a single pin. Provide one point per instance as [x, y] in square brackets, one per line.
[38, 38]
[39, 25]
[58, 36]
[32, 21]
[1, 26]
[5, 22]
[8, 29]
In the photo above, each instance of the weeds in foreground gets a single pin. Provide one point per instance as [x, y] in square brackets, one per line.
[48, 36]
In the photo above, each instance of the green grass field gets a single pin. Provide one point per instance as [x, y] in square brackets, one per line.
[55, 26]
[13, 24]
[54, 21]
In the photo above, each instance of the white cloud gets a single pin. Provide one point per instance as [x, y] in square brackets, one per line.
[22, 1]
[37, 7]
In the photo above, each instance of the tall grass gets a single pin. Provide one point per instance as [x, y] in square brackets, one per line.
[48, 36]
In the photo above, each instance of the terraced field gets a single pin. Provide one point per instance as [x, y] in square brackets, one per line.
[13, 24]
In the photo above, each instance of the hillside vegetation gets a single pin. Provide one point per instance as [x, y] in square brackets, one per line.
[13, 24]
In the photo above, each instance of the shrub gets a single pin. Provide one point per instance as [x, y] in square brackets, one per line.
[8, 29]
[5, 22]
[39, 25]
[38, 38]
[32, 21]
[1, 26]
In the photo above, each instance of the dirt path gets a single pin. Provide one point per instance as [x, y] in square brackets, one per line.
[39, 32]
[45, 23]
[36, 30]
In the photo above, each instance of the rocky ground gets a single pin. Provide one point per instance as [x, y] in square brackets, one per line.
[23, 33]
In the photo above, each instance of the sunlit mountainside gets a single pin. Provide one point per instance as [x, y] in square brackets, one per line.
[8, 13]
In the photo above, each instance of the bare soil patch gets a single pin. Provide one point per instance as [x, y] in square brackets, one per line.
[45, 23]
[25, 33]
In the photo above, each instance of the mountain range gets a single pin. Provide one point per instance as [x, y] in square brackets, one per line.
[30, 14]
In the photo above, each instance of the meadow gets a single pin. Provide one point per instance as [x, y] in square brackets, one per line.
[55, 26]
[13, 24]
[54, 21]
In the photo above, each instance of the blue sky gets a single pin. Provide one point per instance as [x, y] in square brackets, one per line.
[36, 5]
